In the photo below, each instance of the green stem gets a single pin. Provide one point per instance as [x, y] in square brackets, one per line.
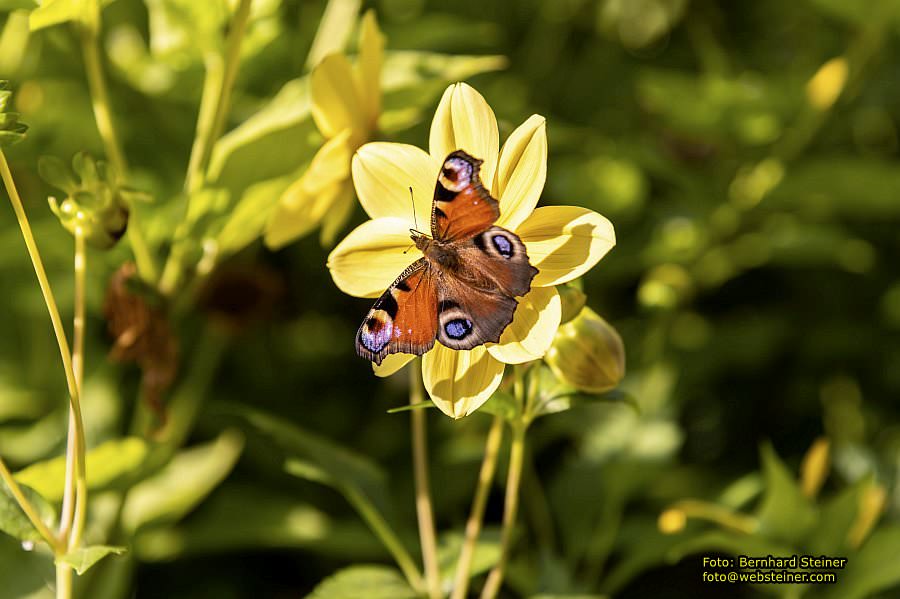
[56, 321]
[103, 116]
[424, 511]
[63, 580]
[383, 531]
[476, 516]
[510, 510]
[221, 72]
[29, 509]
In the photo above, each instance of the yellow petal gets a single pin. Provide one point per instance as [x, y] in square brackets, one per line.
[383, 173]
[459, 382]
[372, 256]
[521, 172]
[531, 332]
[336, 98]
[298, 212]
[392, 364]
[564, 242]
[330, 164]
[337, 215]
[371, 57]
[464, 121]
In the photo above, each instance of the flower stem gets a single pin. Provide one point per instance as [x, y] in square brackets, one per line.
[105, 126]
[221, 72]
[427, 535]
[473, 524]
[59, 331]
[29, 509]
[510, 510]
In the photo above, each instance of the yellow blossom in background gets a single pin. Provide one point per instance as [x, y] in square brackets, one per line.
[346, 103]
[563, 242]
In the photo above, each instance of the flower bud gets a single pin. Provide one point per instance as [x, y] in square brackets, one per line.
[94, 202]
[587, 353]
[573, 300]
[11, 130]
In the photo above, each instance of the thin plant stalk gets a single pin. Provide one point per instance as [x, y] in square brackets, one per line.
[55, 319]
[424, 511]
[476, 516]
[90, 49]
[510, 511]
[28, 508]
[221, 72]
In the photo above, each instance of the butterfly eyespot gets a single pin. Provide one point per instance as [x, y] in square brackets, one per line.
[503, 245]
[459, 328]
[375, 334]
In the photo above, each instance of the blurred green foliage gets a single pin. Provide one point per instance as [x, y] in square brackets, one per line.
[753, 182]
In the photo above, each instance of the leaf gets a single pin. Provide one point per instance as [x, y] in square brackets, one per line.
[872, 569]
[13, 520]
[487, 553]
[247, 220]
[55, 12]
[364, 582]
[182, 31]
[24, 573]
[315, 457]
[269, 519]
[424, 405]
[732, 543]
[271, 143]
[501, 404]
[82, 559]
[784, 512]
[183, 483]
[107, 463]
[835, 519]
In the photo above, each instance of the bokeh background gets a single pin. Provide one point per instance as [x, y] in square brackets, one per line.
[747, 154]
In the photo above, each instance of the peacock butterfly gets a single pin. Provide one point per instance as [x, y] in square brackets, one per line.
[462, 292]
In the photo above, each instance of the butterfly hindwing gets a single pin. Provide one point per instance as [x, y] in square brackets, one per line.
[469, 317]
[497, 259]
[404, 319]
[462, 206]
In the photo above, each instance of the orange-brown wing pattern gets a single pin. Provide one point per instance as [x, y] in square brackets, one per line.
[462, 206]
[495, 259]
[404, 319]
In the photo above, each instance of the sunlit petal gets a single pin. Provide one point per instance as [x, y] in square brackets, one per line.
[459, 382]
[531, 332]
[298, 212]
[521, 172]
[330, 164]
[383, 173]
[392, 364]
[464, 120]
[564, 242]
[336, 98]
[371, 57]
[371, 257]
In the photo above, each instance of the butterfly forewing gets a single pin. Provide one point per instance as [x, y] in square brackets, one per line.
[462, 206]
[404, 319]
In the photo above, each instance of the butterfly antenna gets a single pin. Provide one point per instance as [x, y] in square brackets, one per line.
[413, 202]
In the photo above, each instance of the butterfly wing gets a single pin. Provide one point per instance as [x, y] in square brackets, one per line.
[405, 317]
[468, 317]
[462, 206]
[496, 259]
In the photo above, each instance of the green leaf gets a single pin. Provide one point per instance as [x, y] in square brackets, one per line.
[246, 222]
[501, 404]
[364, 582]
[11, 5]
[872, 569]
[835, 519]
[82, 559]
[269, 519]
[732, 543]
[183, 483]
[107, 464]
[424, 405]
[315, 457]
[182, 31]
[486, 555]
[25, 574]
[784, 512]
[269, 144]
[13, 520]
[55, 12]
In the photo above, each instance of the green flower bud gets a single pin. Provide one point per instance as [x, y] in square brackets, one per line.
[94, 202]
[11, 130]
[587, 353]
[573, 300]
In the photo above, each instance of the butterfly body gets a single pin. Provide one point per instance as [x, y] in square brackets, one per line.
[462, 291]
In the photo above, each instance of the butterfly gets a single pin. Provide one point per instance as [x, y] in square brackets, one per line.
[462, 291]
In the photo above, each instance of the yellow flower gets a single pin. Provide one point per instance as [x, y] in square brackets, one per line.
[563, 242]
[346, 102]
